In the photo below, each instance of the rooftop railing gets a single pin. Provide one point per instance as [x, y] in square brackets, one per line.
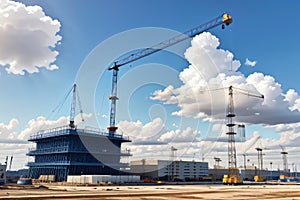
[65, 130]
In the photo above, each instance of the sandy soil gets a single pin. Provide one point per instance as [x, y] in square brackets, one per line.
[161, 192]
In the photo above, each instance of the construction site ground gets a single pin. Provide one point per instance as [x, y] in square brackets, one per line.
[211, 192]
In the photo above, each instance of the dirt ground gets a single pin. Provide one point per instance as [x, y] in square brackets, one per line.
[161, 192]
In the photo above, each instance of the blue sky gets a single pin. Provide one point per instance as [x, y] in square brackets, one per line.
[262, 31]
[269, 36]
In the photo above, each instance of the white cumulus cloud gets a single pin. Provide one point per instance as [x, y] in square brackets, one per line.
[15, 142]
[184, 140]
[176, 136]
[8, 131]
[42, 123]
[212, 68]
[250, 63]
[27, 37]
[140, 132]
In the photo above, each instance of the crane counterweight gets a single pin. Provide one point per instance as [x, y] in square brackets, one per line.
[227, 19]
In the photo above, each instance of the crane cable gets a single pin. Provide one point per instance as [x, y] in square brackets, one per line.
[58, 108]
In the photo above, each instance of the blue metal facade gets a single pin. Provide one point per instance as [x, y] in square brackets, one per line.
[67, 151]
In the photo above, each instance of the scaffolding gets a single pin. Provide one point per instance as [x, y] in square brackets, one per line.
[67, 151]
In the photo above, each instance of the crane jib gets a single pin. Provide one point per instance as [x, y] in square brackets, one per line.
[222, 19]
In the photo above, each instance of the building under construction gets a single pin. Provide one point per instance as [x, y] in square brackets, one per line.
[68, 150]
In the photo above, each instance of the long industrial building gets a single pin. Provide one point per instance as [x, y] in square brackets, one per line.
[169, 170]
[67, 151]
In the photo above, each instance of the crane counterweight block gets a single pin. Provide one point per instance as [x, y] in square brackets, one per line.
[227, 19]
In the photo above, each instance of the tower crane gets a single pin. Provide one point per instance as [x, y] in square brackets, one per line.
[284, 159]
[73, 107]
[259, 177]
[224, 19]
[217, 162]
[173, 163]
[233, 176]
[246, 149]
[241, 132]
[10, 163]
[251, 144]
[6, 160]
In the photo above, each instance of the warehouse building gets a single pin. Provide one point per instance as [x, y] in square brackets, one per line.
[168, 170]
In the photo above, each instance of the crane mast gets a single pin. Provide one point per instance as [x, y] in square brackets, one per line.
[247, 148]
[73, 106]
[224, 19]
[232, 167]
[233, 176]
[112, 124]
[284, 154]
[259, 177]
